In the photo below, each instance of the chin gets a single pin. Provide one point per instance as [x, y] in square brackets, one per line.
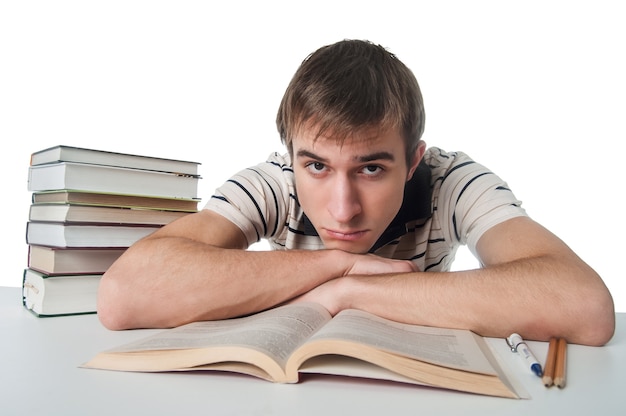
[348, 247]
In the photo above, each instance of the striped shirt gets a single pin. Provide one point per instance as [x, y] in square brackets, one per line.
[450, 201]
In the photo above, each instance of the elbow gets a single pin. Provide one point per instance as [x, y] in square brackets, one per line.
[112, 307]
[604, 327]
[120, 307]
[601, 332]
[598, 316]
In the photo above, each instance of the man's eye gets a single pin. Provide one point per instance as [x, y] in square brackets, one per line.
[372, 170]
[315, 167]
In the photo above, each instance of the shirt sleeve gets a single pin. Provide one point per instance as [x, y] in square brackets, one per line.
[472, 199]
[256, 199]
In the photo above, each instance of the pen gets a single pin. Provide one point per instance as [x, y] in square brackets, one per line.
[518, 345]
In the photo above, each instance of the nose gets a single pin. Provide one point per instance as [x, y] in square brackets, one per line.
[344, 202]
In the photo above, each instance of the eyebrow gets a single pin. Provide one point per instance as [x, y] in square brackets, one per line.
[309, 154]
[362, 159]
[377, 156]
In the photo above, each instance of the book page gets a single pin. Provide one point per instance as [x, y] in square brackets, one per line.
[276, 332]
[446, 347]
[338, 365]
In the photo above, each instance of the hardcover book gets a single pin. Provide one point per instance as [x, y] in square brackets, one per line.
[59, 260]
[115, 200]
[100, 178]
[57, 234]
[59, 295]
[102, 215]
[62, 153]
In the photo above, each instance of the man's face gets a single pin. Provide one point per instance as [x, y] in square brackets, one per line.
[351, 191]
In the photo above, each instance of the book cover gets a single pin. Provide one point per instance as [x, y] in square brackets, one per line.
[102, 215]
[59, 295]
[84, 235]
[60, 260]
[63, 153]
[115, 200]
[100, 178]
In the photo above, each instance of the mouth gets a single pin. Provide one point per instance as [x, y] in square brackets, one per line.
[346, 235]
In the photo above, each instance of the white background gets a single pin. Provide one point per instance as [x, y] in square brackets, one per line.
[535, 90]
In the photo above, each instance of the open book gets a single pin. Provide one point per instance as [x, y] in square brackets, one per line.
[280, 343]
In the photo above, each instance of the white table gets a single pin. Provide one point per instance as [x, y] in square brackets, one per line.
[39, 375]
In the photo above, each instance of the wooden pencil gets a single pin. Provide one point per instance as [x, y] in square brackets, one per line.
[561, 363]
[548, 370]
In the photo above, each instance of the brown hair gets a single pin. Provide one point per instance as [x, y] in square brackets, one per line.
[350, 86]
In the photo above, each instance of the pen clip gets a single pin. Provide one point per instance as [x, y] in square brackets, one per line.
[510, 344]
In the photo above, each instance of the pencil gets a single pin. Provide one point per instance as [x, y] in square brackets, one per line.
[548, 370]
[559, 367]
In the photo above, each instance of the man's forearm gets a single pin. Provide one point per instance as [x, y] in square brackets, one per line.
[523, 296]
[164, 282]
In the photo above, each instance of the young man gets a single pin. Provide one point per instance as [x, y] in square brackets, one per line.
[361, 215]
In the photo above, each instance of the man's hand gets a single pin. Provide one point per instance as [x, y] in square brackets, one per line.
[335, 295]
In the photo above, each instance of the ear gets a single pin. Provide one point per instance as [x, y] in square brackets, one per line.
[417, 158]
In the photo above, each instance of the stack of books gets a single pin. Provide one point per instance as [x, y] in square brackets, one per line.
[89, 206]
